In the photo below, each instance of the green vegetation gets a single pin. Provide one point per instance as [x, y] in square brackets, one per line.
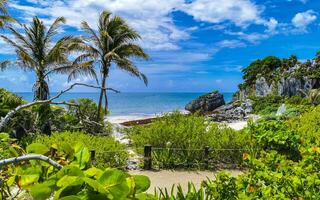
[109, 153]
[78, 179]
[285, 167]
[266, 66]
[37, 50]
[8, 101]
[179, 141]
[113, 43]
[268, 106]
[4, 17]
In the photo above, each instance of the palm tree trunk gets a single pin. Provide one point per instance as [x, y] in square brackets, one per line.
[44, 111]
[102, 91]
[106, 105]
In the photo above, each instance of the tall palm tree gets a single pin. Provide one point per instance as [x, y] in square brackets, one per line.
[113, 43]
[4, 17]
[36, 50]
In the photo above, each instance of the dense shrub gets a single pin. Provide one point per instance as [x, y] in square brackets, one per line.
[266, 105]
[81, 117]
[8, 101]
[180, 140]
[308, 125]
[73, 177]
[109, 153]
[276, 135]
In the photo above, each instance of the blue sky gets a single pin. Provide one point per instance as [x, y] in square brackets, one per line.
[195, 45]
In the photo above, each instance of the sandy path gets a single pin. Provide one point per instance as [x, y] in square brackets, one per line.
[166, 178]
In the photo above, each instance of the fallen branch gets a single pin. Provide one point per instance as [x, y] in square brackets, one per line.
[11, 113]
[30, 157]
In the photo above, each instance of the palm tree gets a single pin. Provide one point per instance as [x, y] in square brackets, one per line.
[113, 43]
[4, 17]
[37, 51]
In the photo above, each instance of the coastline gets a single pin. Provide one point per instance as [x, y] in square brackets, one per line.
[131, 120]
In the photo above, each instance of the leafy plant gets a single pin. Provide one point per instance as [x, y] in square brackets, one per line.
[109, 153]
[179, 141]
[76, 180]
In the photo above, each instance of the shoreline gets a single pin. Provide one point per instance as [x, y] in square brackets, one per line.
[131, 120]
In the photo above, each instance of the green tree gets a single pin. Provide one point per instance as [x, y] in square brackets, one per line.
[113, 43]
[37, 50]
[4, 17]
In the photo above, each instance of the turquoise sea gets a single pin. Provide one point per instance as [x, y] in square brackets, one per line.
[137, 104]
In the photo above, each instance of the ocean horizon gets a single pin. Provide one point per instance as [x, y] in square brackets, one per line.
[136, 103]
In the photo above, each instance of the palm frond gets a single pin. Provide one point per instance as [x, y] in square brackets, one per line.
[92, 34]
[83, 69]
[5, 64]
[128, 66]
[21, 39]
[131, 50]
[58, 53]
[53, 30]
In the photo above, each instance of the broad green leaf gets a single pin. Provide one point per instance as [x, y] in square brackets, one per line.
[37, 148]
[95, 185]
[69, 190]
[93, 172]
[67, 180]
[142, 183]
[83, 157]
[115, 182]
[42, 191]
[70, 171]
[28, 179]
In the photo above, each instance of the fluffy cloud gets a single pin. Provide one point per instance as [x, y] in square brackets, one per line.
[152, 18]
[240, 12]
[301, 20]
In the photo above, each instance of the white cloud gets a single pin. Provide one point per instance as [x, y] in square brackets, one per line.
[272, 25]
[254, 37]
[239, 12]
[230, 44]
[152, 18]
[301, 20]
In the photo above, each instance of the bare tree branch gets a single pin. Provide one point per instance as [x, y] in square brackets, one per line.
[30, 157]
[11, 113]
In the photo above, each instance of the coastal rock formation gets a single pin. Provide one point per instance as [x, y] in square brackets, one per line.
[206, 103]
[233, 111]
[262, 87]
[272, 76]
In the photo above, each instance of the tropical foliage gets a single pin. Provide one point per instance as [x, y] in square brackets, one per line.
[109, 153]
[78, 179]
[179, 141]
[4, 17]
[113, 43]
[37, 51]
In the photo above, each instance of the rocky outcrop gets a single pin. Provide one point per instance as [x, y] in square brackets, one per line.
[233, 111]
[262, 87]
[206, 103]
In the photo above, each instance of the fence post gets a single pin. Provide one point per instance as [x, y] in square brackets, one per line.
[206, 157]
[147, 157]
[92, 155]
